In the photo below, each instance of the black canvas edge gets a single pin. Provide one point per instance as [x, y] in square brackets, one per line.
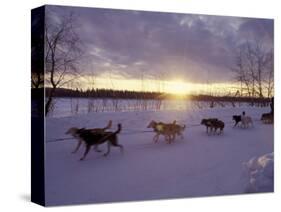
[37, 111]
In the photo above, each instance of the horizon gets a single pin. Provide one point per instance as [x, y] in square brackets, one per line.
[167, 95]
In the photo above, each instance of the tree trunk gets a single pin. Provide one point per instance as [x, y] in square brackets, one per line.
[49, 101]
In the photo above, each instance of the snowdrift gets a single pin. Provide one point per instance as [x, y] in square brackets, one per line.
[261, 173]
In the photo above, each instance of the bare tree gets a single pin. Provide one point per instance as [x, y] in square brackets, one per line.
[269, 80]
[254, 69]
[62, 53]
[37, 49]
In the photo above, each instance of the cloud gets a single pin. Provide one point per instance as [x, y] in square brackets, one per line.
[258, 29]
[164, 45]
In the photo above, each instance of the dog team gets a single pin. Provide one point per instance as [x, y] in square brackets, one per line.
[96, 136]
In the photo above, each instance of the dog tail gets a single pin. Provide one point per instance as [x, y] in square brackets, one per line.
[111, 134]
[108, 125]
[118, 129]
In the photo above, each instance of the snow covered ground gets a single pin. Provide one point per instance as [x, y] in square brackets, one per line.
[198, 165]
[261, 173]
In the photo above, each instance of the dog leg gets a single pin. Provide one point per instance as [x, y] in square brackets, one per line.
[207, 130]
[210, 131]
[170, 139]
[115, 143]
[108, 149]
[215, 131]
[173, 137]
[155, 138]
[88, 147]
[77, 147]
[166, 138]
[121, 147]
[181, 135]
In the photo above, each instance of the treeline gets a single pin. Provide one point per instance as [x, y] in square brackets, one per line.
[125, 94]
[229, 99]
[106, 93]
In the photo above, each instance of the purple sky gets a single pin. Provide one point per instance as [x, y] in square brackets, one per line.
[158, 45]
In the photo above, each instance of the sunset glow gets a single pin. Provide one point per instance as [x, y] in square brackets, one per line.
[177, 87]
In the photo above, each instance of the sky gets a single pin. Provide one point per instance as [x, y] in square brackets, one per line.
[140, 50]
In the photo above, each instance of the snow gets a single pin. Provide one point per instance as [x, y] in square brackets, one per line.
[198, 165]
[260, 170]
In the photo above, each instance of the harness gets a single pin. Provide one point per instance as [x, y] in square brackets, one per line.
[159, 127]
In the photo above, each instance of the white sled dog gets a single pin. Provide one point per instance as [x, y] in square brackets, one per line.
[246, 121]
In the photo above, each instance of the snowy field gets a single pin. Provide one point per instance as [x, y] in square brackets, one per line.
[66, 106]
[198, 165]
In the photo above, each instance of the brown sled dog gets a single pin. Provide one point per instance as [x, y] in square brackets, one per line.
[213, 124]
[169, 131]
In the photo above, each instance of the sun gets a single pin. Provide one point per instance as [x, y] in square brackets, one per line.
[177, 87]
